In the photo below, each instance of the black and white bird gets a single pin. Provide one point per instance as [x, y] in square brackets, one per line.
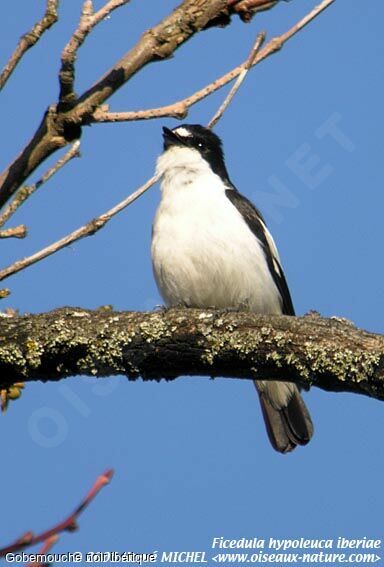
[211, 248]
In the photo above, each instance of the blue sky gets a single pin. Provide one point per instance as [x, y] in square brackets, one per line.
[191, 457]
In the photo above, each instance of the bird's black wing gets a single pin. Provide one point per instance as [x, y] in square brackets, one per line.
[255, 222]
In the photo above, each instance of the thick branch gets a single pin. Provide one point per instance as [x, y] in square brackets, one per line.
[51, 135]
[329, 353]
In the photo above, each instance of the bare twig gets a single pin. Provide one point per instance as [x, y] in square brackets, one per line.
[19, 231]
[176, 110]
[180, 108]
[247, 65]
[27, 191]
[47, 545]
[87, 230]
[88, 21]
[69, 524]
[29, 39]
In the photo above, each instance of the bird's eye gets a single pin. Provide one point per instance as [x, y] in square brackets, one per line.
[200, 144]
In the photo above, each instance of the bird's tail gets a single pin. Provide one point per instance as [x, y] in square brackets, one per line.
[285, 414]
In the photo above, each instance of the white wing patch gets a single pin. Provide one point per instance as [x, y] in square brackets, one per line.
[182, 132]
[273, 249]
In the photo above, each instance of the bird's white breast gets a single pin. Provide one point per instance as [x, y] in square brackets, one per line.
[204, 254]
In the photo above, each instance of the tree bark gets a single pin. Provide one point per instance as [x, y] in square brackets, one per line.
[331, 354]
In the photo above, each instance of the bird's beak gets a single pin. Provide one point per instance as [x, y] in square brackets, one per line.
[171, 138]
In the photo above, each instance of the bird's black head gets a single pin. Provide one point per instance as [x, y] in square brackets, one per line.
[201, 139]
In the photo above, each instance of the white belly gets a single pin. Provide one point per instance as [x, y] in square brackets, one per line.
[204, 255]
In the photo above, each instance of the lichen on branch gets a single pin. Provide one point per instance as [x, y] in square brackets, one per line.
[331, 354]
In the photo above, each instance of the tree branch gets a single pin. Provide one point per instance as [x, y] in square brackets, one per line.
[88, 229]
[248, 8]
[47, 545]
[239, 81]
[49, 537]
[88, 21]
[25, 192]
[29, 39]
[58, 128]
[50, 136]
[180, 108]
[19, 231]
[331, 354]
[99, 222]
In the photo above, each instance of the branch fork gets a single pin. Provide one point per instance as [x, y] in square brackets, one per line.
[85, 112]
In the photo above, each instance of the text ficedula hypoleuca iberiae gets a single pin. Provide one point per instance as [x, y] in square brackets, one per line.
[211, 248]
